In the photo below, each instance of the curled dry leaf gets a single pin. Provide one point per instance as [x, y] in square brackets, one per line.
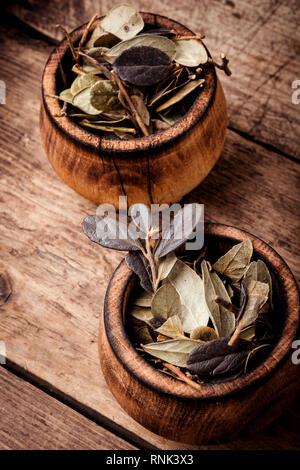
[141, 267]
[172, 327]
[235, 262]
[258, 271]
[141, 313]
[98, 53]
[166, 302]
[173, 351]
[143, 299]
[141, 109]
[257, 295]
[222, 319]
[190, 53]
[191, 290]
[144, 40]
[181, 93]
[142, 66]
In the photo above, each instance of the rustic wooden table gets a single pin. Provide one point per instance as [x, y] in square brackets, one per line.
[52, 392]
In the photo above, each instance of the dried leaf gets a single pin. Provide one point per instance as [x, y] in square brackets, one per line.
[81, 82]
[186, 222]
[258, 271]
[159, 125]
[216, 357]
[222, 319]
[107, 127]
[83, 101]
[104, 95]
[181, 93]
[98, 53]
[257, 296]
[172, 327]
[143, 299]
[90, 69]
[254, 353]
[142, 66]
[140, 330]
[235, 262]
[190, 52]
[191, 290]
[140, 266]
[141, 109]
[248, 333]
[97, 32]
[166, 302]
[165, 266]
[67, 95]
[124, 21]
[144, 40]
[171, 118]
[141, 313]
[173, 351]
[110, 233]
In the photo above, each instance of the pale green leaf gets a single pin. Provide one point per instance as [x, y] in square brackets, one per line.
[104, 95]
[81, 82]
[83, 101]
[190, 52]
[165, 265]
[66, 95]
[172, 327]
[124, 21]
[173, 351]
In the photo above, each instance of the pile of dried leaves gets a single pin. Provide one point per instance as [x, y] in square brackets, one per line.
[195, 321]
[133, 79]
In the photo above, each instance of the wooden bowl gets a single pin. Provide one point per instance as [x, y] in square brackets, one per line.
[218, 412]
[160, 168]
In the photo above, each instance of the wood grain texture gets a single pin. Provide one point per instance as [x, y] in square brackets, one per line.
[143, 169]
[31, 419]
[262, 38]
[59, 278]
[215, 412]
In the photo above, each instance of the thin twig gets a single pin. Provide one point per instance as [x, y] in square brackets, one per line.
[152, 263]
[236, 334]
[181, 375]
[68, 37]
[58, 98]
[198, 37]
[226, 304]
[99, 66]
[223, 66]
[132, 108]
[86, 32]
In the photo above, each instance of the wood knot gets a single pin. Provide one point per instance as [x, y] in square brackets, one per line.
[5, 287]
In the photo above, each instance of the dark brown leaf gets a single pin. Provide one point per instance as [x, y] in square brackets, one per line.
[142, 66]
[141, 267]
[217, 357]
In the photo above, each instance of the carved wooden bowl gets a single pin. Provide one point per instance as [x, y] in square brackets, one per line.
[218, 412]
[160, 168]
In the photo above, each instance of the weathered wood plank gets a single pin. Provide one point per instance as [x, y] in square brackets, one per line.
[262, 38]
[31, 419]
[59, 278]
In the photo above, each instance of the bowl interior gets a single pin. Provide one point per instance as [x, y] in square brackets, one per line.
[219, 238]
[216, 247]
[58, 73]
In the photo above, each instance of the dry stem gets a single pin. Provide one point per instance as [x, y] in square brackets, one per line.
[228, 305]
[74, 54]
[181, 375]
[86, 32]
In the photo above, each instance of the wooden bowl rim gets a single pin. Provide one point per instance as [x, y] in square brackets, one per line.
[154, 141]
[141, 370]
